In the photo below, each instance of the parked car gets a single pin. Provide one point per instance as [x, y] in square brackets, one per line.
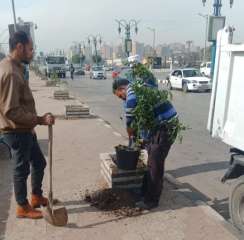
[98, 72]
[108, 68]
[79, 71]
[205, 69]
[125, 72]
[189, 79]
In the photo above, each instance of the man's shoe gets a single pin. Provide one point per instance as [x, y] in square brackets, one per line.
[146, 206]
[26, 211]
[38, 201]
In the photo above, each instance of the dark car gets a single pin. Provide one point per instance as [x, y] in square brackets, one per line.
[126, 72]
[79, 71]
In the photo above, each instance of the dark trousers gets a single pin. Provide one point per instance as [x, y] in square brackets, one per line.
[27, 157]
[158, 149]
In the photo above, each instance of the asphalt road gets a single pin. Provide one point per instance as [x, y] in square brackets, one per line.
[199, 161]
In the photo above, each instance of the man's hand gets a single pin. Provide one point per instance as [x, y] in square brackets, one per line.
[47, 119]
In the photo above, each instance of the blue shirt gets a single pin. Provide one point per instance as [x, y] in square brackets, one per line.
[162, 111]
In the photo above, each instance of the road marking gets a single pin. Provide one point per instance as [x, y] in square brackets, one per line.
[107, 126]
[99, 120]
[117, 134]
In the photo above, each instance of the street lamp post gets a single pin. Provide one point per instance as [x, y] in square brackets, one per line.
[95, 39]
[217, 5]
[205, 16]
[14, 15]
[127, 25]
[154, 40]
[82, 43]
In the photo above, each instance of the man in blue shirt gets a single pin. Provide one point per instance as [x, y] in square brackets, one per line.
[158, 142]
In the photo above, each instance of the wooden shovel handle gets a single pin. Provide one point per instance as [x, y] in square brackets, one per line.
[50, 159]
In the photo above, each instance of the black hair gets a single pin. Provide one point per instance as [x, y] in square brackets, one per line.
[18, 37]
[119, 82]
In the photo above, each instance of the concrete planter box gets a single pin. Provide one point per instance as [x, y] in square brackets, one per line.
[77, 111]
[61, 94]
[117, 178]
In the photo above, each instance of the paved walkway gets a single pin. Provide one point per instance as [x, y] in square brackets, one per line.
[77, 145]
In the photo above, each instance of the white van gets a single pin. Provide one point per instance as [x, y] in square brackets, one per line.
[205, 69]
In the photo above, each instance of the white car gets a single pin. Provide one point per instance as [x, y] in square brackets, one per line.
[189, 79]
[98, 72]
[205, 69]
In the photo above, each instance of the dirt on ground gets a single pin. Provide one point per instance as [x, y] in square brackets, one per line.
[118, 202]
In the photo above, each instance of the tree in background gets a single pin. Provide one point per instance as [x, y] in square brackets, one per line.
[77, 59]
[97, 59]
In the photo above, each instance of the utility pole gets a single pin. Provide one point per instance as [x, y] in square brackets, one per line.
[205, 16]
[217, 5]
[14, 15]
[127, 28]
[188, 45]
[95, 39]
[82, 52]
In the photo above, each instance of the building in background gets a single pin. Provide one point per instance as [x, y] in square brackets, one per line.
[138, 49]
[106, 52]
[118, 52]
[148, 51]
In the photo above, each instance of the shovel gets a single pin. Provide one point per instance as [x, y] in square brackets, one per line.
[57, 216]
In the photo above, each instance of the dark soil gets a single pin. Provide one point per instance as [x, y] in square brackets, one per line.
[113, 201]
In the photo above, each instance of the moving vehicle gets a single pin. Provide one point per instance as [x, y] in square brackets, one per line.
[98, 72]
[108, 68]
[79, 71]
[205, 69]
[126, 73]
[55, 65]
[226, 116]
[189, 79]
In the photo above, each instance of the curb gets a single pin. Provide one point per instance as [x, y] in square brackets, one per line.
[206, 208]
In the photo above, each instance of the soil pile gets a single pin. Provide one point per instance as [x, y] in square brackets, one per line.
[113, 201]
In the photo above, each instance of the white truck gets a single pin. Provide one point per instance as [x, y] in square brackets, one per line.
[55, 65]
[226, 115]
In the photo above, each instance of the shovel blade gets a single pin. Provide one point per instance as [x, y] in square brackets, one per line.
[57, 217]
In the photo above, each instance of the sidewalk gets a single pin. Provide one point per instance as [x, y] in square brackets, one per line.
[77, 145]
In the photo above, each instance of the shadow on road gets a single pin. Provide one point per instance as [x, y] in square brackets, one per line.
[201, 168]
[5, 186]
[220, 205]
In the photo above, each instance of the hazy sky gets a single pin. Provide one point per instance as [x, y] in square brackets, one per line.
[60, 22]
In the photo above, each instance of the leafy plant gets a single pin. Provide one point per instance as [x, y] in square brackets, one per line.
[77, 59]
[141, 72]
[147, 99]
